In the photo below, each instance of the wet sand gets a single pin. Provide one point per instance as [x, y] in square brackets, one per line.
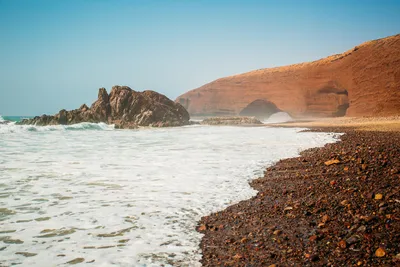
[333, 206]
[381, 124]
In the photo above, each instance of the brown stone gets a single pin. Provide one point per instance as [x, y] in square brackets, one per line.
[342, 244]
[380, 252]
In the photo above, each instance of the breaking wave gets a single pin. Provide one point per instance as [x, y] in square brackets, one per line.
[12, 127]
[278, 117]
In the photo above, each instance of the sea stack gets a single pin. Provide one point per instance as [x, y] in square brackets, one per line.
[123, 107]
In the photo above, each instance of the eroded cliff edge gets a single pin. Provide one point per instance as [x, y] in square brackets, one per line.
[364, 81]
[123, 107]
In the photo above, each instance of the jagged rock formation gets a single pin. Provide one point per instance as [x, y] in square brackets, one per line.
[123, 107]
[231, 121]
[364, 81]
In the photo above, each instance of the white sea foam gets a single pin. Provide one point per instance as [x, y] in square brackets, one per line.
[278, 117]
[126, 197]
[12, 127]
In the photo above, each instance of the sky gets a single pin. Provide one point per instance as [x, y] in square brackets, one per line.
[55, 54]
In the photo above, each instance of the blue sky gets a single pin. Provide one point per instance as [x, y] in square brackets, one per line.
[55, 54]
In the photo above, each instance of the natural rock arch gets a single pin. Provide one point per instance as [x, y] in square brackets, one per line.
[260, 108]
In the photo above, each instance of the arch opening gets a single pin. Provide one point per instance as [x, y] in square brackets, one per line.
[261, 109]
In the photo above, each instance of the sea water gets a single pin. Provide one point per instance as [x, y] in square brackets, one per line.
[97, 196]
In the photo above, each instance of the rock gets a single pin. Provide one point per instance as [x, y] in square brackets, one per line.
[313, 238]
[364, 166]
[344, 202]
[237, 257]
[84, 108]
[202, 228]
[380, 252]
[231, 121]
[288, 209]
[342, 244]
[277, 232]
[342, 84]
[332, 161]
[325, 219]
[362, 229]
[125, 108]
[62, 117]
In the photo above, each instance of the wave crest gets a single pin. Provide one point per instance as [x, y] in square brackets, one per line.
[84, 126]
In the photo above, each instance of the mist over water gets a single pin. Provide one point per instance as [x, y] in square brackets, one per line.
[126, 197]
[278, 117]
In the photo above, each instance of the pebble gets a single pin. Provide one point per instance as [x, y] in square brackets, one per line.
[380, 252]
[362, 229]
[325, 218]
[342, 244]
[332, 161]
[277, 232]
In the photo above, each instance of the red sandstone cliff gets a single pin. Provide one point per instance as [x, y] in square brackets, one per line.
[364, 81]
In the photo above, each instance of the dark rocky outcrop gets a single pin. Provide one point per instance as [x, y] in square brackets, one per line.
[123, 107]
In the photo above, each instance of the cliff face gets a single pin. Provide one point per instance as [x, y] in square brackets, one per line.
[364, 81]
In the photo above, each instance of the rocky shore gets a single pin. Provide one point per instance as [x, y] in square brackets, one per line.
[123, 107]
[231, 121]
[333, 206]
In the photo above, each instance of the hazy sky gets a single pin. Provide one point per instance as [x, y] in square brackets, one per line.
[56, 54]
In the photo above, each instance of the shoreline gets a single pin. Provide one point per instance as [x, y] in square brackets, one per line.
[381, 124]
[335, 205]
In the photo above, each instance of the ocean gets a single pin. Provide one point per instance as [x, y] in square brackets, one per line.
[14, 118]
[89, 193]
